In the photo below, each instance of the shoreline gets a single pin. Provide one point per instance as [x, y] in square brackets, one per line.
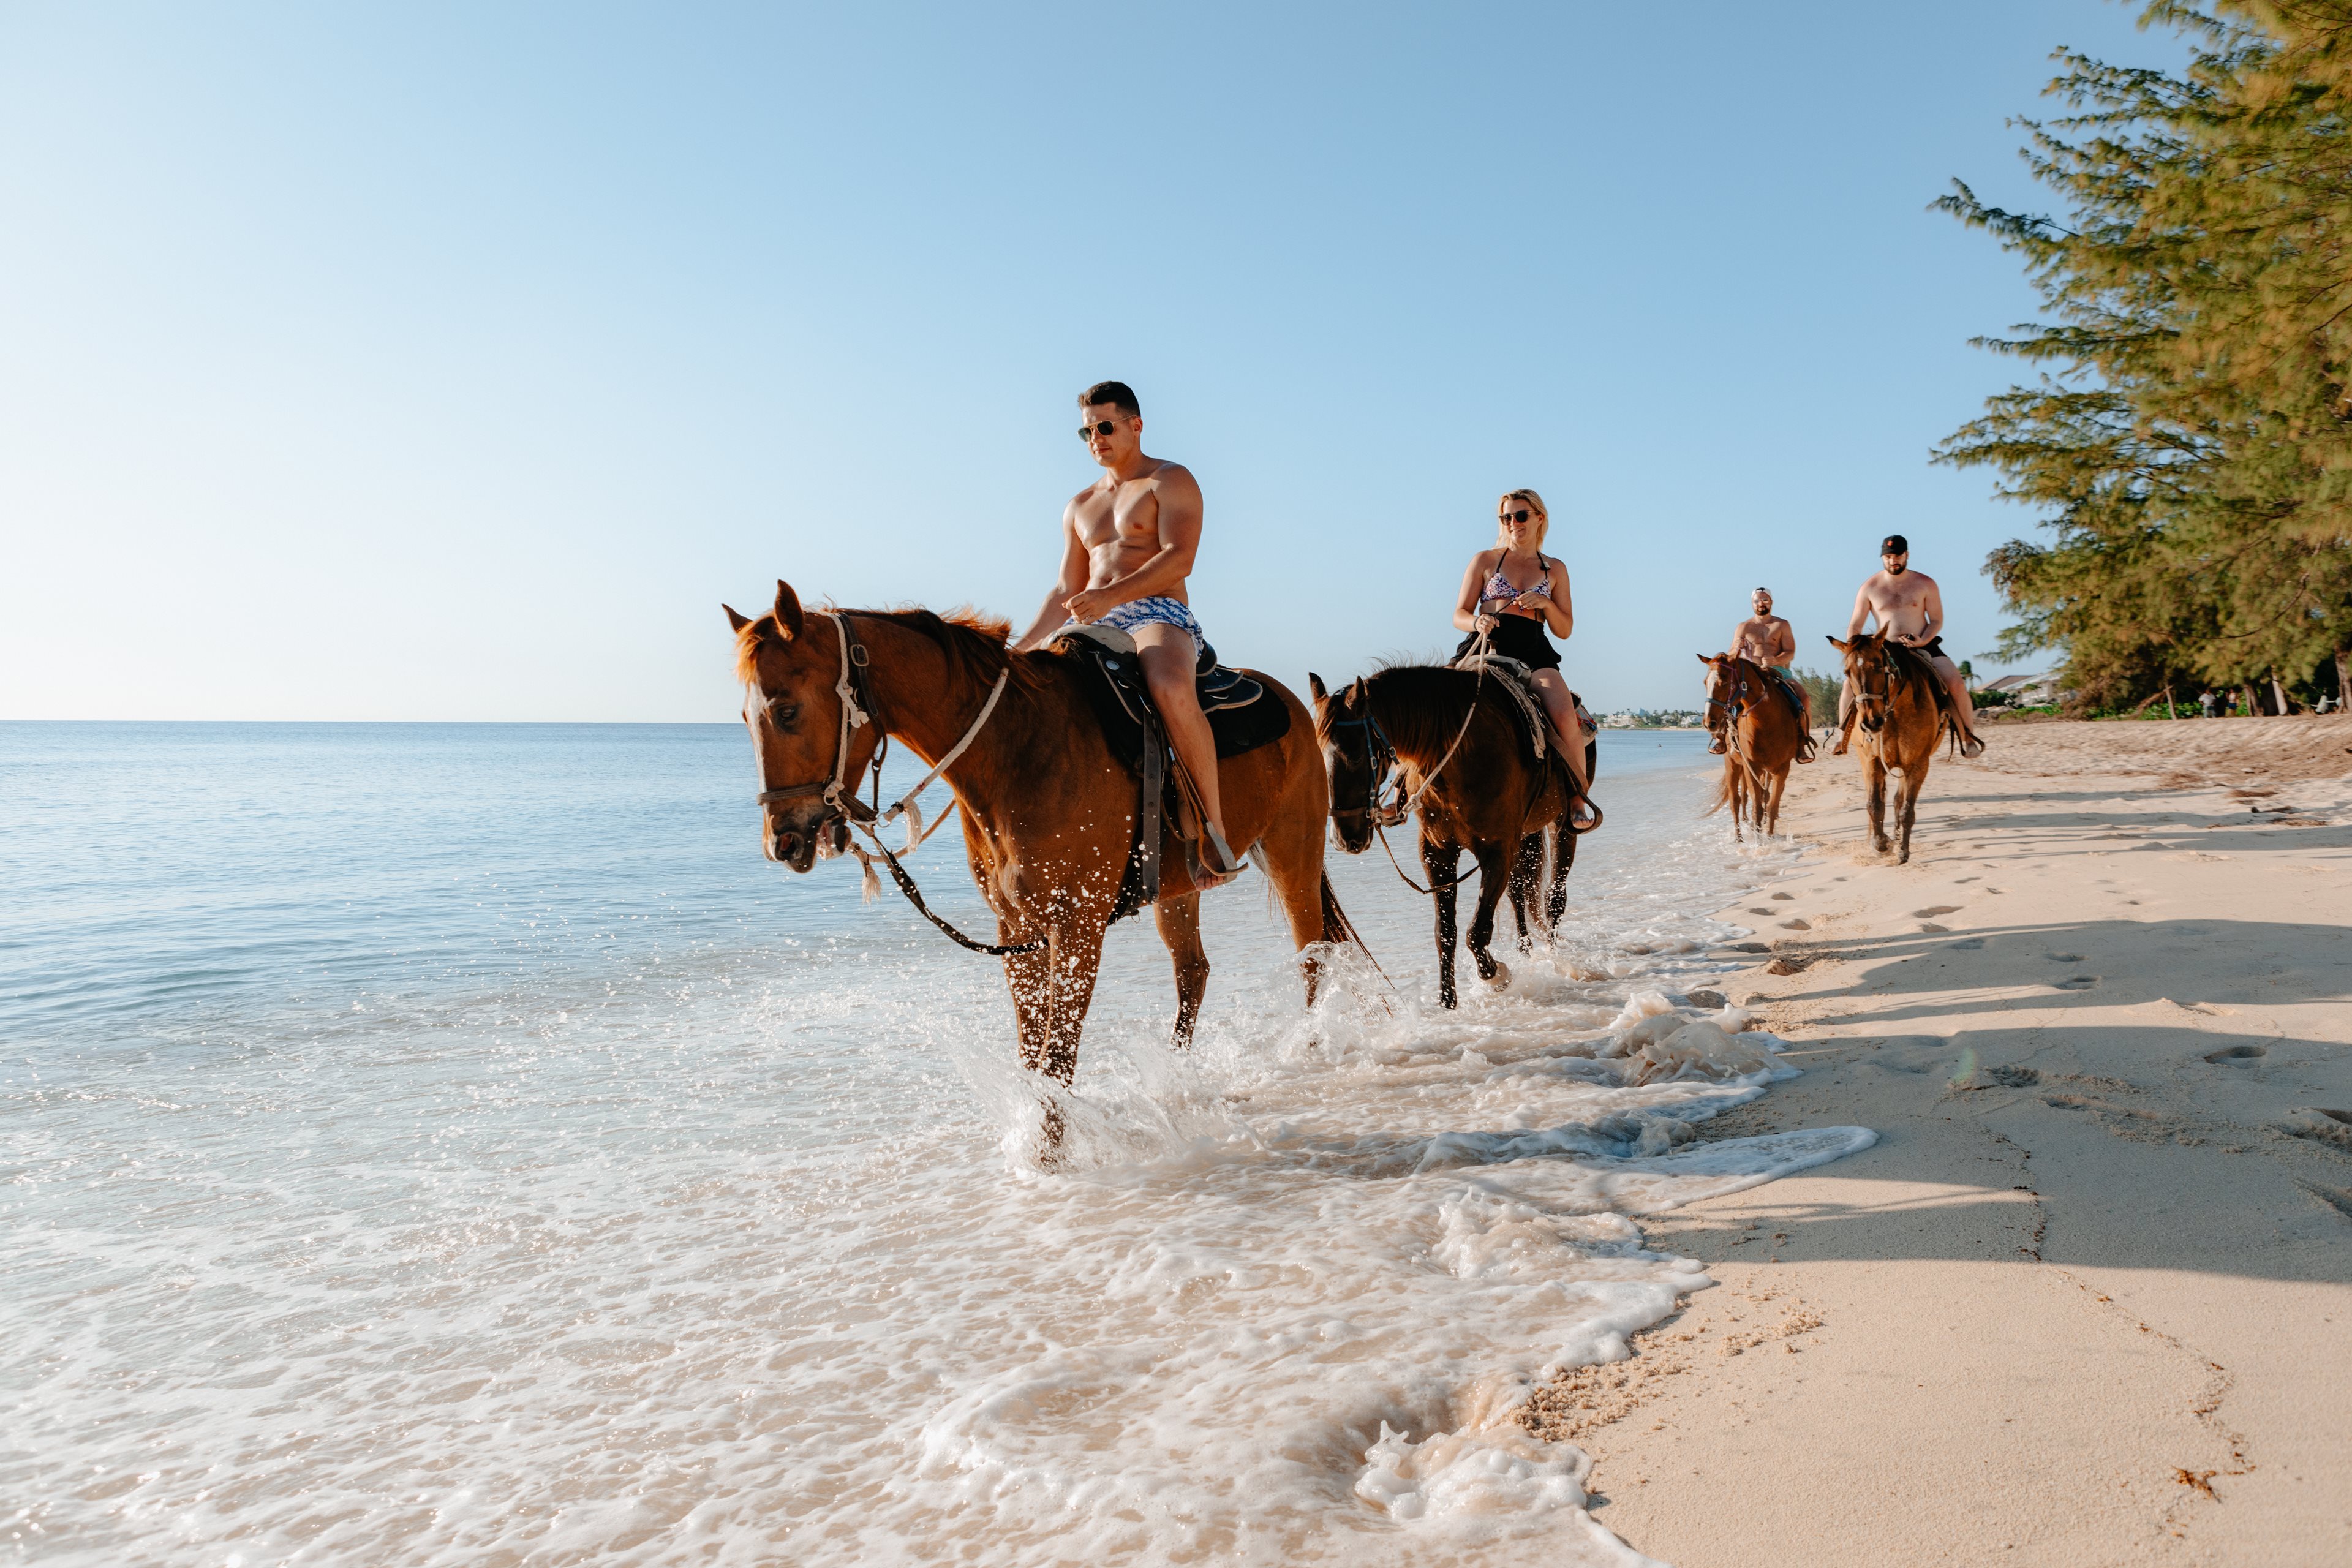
[2091, 1270]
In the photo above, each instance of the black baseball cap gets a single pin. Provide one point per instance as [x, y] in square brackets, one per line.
[1895, 544]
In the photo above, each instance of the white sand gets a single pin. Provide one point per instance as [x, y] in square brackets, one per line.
[2089, 1300]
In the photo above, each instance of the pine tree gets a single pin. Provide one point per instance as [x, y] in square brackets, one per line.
[2191, 433]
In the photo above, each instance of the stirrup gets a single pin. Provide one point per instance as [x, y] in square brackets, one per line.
[1217, 856]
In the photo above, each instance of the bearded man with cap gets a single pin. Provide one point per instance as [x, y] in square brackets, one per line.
[1911, 608]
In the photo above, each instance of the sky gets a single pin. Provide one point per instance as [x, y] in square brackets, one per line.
[450, 362]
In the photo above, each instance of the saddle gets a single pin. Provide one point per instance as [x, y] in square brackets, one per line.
[1243, 716]
[1518, 680]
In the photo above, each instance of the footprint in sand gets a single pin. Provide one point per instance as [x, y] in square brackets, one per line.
[2064, 957]
[1786, 897]
[1973, 944]
[1931, 928]
[1932, 910]
[2237, 1056]
[2076, 982]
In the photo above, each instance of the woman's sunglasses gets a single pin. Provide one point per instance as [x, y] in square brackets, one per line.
[1519, 516]
[1104, 429]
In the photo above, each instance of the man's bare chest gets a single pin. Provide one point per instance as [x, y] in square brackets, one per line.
[1129, 515]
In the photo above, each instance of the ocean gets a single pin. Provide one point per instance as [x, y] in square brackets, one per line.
[455, 1146]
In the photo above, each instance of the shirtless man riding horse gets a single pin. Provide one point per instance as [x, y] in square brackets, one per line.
[1128, 543]
[1764, 638]
[1911, 608]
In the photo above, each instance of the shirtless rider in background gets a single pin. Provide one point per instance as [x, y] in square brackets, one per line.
[1766, 640]
[1128, 543]
[1911, 607]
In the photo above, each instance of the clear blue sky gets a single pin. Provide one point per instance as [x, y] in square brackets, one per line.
[455, 362]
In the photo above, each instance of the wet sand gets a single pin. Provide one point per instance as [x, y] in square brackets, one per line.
[2089, 1300]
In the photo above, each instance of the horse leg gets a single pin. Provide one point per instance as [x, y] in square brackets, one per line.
[1555, 903]
[1437, 863]
[1915, 777]
[1527, 870]
[1491, 880]
[1180, 928]
[1873, 774]
[1563, 856]
[1772, 810]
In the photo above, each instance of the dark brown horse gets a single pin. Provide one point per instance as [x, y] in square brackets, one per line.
[1900, 710]
[1464, 745]
[1749, 706]
[1048, 813]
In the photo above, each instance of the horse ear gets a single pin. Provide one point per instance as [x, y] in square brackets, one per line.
[1839, 646]
[1703, 659]
[788, 609]
[1315, 684]
[733, 620]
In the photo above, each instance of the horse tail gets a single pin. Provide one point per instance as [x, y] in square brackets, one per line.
[1337, 927]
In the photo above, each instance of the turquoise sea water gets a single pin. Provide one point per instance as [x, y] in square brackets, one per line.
[455, 1144]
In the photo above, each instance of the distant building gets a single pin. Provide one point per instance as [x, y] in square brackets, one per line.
[2033, 690]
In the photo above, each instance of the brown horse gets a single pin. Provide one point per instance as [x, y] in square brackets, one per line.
[1900, 709]
[1764, 735]
[1462, 742]
[1048, 813]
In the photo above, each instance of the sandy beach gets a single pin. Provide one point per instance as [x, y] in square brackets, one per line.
[2089, 1300]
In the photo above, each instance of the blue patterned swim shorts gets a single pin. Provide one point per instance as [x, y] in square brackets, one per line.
[1156, 611]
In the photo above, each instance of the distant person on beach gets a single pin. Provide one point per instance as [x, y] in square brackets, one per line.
[1511, 594]
[1911, 607]
[2207, 702]
[1765, 638]
[1128, 543]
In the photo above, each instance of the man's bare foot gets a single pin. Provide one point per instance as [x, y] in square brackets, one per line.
[1971, 747]
[1839, 750]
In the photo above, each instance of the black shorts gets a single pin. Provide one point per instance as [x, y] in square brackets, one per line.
[1517, 636]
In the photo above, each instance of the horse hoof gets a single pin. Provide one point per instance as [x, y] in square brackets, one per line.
[1502, 975]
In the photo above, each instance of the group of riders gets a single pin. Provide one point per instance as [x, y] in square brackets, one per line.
[1128, 542]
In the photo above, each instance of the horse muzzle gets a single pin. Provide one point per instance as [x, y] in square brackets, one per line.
[801, 844]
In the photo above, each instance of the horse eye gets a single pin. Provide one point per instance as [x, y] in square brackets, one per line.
[784, 712]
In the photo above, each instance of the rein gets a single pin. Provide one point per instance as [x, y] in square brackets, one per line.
[858, 709]
[1385, 757]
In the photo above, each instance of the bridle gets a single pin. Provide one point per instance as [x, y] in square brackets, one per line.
[854, 688]
[1379, 757]
[1738, 703]
[858, 709]
[1861, 698]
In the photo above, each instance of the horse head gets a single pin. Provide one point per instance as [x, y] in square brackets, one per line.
[1870, 676]
[1727, 686]
[1356, 755]
[804, 740]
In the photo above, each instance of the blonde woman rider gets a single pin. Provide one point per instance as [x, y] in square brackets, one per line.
[1513, 594]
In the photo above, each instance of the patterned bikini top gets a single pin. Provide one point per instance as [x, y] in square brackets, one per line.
[1500, 587]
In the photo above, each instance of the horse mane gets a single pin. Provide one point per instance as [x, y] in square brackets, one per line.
[1915, 665]
[1424, 705]
[973, 641]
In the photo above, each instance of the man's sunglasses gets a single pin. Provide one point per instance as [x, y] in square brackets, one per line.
[1104, 429]
[1519, 516]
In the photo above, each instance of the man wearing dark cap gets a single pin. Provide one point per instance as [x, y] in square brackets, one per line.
[1911, 608]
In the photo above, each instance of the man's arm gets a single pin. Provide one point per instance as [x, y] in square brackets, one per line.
[1073, 578]
[1784, 643]
[1179, 497]
[1862, 612]
[1932, 607]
